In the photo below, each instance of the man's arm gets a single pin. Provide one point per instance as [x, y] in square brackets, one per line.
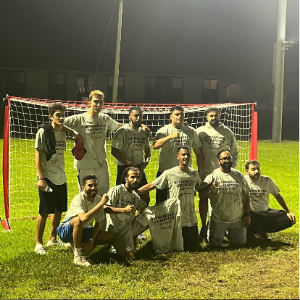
[145, 189]
[234, 151]
[120, 125]
[85, 217]
[77, 136]
[38, 163]
[281, 201]
[199, 160]
[147, 155]
[159, 143]
[120, 157]
[246, 204]
[89, 246]
[203, 209]
[119, 210]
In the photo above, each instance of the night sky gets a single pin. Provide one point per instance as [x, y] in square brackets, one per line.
[186, 37]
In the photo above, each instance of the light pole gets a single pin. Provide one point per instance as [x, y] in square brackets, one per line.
[278, 71]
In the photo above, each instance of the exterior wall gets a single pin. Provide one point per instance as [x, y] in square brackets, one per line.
[192, 89]
[134, 88]
[101, 82]
[37, 83]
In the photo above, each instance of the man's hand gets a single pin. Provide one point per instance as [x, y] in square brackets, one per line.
[42, 184]
[130, 164]
[144, 127]
[174, 135]
[246, 220]
[78, 138]
[129, 209]
[143, 165]
[88, 248]
[292, 217]
[203, 234]
[104, 199]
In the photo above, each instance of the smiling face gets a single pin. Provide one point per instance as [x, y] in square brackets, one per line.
[184, 157]
[177, 118]
[96, 105]
[90, 188]
[213, 118]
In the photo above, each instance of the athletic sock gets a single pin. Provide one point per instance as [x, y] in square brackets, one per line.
[77, 252]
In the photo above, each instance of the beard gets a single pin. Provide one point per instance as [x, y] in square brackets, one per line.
[226, 166]
[214, 123]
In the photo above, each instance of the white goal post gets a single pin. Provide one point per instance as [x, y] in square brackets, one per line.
[24, 115]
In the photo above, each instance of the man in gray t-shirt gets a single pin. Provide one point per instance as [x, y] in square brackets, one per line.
[228, 192]
[131, 147]
[167, 140]
[181, 182]
[263, 218]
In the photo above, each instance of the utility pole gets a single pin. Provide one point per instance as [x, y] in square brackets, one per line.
[118, 50]
[279, 72]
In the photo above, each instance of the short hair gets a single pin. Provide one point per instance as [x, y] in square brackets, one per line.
[183, 147]
[138, 108]
[210, 109]
[97, 94]
[126, 171]
[223, 150]
[253, 162]
[88, 177]
[54, 107]
[176, 107]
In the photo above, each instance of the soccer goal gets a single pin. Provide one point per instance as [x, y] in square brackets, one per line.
[24, 115]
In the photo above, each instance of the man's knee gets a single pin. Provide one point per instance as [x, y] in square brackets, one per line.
[107, 237]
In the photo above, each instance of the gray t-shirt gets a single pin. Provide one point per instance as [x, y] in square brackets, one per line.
[120, 197]
[181, 185]
[53, 169]
[80, 205]
[131, 143]
[227, 200]
[168, 152]
[213, 140]
[93, 130]
[164, 221]
[259, 192]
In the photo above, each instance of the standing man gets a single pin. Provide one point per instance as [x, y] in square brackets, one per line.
[121, 207]
[77, 226]
[131, 147]
[93, 126]
[167, 140]
[50, 146]
[263, 218]
[180, 183]
[228, 192]
[215, 136]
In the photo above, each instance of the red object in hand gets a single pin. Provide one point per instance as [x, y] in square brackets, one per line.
[79, 151]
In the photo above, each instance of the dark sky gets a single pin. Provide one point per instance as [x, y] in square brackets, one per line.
[201, 37]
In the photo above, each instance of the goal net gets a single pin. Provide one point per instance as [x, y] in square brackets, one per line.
[23, 117]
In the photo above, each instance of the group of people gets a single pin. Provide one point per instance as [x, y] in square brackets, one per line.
[231, 204]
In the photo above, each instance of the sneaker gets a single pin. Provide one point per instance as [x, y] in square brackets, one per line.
[81, 261]
[39, 249]
[141, 237]
[60, 244]
[113, 250]
[262, 236]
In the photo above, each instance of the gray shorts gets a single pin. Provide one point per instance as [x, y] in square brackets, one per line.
[123, 241]
[237, 233]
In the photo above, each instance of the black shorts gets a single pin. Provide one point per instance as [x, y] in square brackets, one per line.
[55, 201]
[190, 238]
[120, 172]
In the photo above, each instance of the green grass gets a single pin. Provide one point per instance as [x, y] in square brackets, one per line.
[259, 270]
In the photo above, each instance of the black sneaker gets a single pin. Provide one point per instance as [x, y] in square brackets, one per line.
[262, 236]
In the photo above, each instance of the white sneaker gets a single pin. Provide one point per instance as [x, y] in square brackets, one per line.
[141, 237]
[60, 244]
[39, 249]
[81, 261]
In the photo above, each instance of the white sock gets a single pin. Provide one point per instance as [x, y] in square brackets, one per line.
[77, 252]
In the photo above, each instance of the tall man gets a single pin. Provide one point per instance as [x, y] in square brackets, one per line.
[81, 224]
[50, 146]
[180, 183]
[93, 126]
[131, 147]
[167, 140]
[228, 192]
[121, 207]
[263, 218]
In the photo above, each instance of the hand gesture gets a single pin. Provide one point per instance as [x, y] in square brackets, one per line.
[291, 217]
[129, 209]
[174, 135]
[144, 127]
[104, 199]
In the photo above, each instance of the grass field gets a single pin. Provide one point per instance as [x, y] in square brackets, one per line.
[259, 270]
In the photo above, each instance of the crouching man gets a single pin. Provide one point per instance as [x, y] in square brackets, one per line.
[77, 226]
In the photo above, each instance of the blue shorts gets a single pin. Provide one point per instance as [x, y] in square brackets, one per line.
[65, 232]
